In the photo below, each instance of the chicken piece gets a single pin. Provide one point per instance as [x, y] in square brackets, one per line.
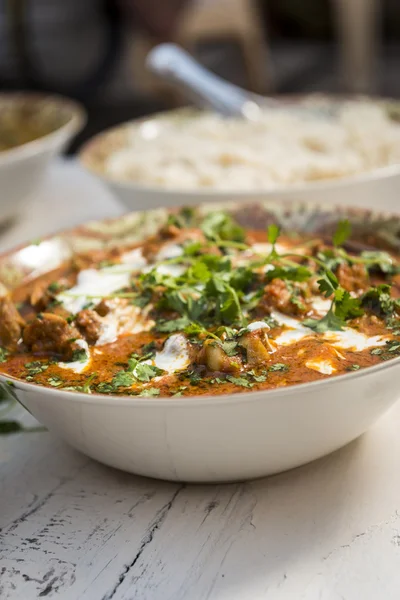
[52, 333]
[354, 278]
[214, 358]
[11, 323]
[89, 324]
[40, 296]
[277, 296]
[257, 346]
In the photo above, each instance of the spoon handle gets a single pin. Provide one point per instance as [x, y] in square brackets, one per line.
[176, 66]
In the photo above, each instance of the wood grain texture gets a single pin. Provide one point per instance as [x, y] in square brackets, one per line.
[74, 529]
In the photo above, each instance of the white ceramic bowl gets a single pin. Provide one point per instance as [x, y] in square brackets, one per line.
[210, 439]
[379, 186]
[23, 167]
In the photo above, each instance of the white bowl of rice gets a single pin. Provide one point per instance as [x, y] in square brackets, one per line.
[188, 156]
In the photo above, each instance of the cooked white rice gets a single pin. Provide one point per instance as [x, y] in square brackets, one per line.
[281, 148]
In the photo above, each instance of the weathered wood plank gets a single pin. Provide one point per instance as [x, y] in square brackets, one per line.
[330, 530]
[81, 524]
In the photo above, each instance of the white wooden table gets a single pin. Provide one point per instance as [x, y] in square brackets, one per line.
[73, 529]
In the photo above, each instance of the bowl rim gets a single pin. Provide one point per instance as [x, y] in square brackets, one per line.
[208, 399]
[87, 149]
[76, 121]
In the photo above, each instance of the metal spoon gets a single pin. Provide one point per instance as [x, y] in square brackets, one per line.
[207, 90]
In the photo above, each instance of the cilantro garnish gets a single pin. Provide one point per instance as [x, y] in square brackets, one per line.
[3, 354]
[273, 232]
[378, 300]
[172, 325]
[299, 273]
[346, 307]
[151, 391]
[379, 260]
[79, 355]
[183, 218]
[241, 381]
[35, 368]
[54, 287]
[342, 233]
[220, 226]
[230, 347]
[123, 379]
[328, 283]
[142, 371]
[278, 367]
[55, 381]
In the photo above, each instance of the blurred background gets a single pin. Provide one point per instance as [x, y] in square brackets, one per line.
[94, 50]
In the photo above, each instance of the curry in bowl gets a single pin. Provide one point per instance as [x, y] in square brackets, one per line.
[28, 117]
[207, 304]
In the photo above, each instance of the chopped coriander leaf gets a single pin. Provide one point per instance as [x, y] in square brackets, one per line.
[35, 367]
[192, 248]
[230, 347]
[299, 273]
[330, 258]
[218, 226]
[172, 325]
[79, 355]
[55, 381]
[376, 351]
[193, 376]
[273, 232]
[86, 388]
[241, 381]
[328, 283]
[122, 379]
[353, 367]
[217, 380]
[151, 391]
[143, 299]
[54, 287]
[393, 346]
[104, 387]
[279, 367]
[342, 233]
[378, 300]
[87, 305]
[259, 378]
[330, 322]
[142, 371]
[3, 354]
[379, 260]
[183, 218]
[149, 349]
[346, 307]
